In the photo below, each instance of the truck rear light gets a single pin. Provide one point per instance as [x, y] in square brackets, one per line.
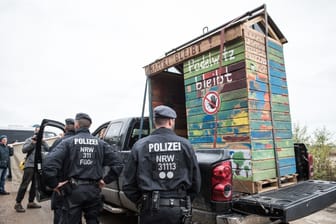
[311, 165]
[221, 182]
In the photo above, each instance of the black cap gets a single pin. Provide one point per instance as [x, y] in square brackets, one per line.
[163, 111]
[3, 136]
[69, 121]
[83, 116]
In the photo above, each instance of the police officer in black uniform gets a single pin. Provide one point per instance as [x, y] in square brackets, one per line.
[57, 199]
[162, 176]
[81, 158]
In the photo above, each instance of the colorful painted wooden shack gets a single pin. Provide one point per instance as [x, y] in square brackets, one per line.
[229, 89]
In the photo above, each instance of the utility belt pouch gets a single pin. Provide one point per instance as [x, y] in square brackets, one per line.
[155, 201]
[66, 189]
[144, 204]
[187, 212]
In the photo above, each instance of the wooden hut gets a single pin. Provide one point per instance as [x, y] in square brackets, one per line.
[229, 88]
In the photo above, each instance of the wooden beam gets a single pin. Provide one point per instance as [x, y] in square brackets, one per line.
[192, 50]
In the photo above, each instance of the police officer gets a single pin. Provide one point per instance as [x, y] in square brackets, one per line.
[162, 176]
[57, 199]
[81, 158]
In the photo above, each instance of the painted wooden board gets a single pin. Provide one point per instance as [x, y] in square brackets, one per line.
[260, 125]
[257, 176]
[227, 131]
[227, 145]
[232, 95]
[280, 107]
[258, 95]
[276, 98]
[235, 123]
[220, 139]
[282, 125]
[220, 88]
[275, 52]
[260, 115]
[279, 90]
[250, 34]
[283, 134]
[284, 143]
[275, 46]
[281, 116]
[257, 86]
[286, 152]
[218, 73]
[288, 170]
[225, 105]
[193, 50]
[258, 76]
[256, 67]
[258, 105]
[276, 66]
[211, 60]
[278, 81]
[243, 154]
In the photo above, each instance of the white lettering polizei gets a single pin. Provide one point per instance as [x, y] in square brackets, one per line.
[86, 141]
[164, 147]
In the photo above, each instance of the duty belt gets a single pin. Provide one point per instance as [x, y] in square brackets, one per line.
[172, 202]
[82, 182]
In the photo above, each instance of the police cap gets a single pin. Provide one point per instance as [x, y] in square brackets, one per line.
[83, 116]
[69, 121]
[163, 111]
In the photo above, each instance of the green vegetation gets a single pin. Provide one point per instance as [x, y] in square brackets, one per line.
[323, 149]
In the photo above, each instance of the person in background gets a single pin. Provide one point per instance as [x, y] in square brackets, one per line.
[81, 158]
[4, 160]
[57, 199]
[28, 173]
[11, 153]
[162, 176]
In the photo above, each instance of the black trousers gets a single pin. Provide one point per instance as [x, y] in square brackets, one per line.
[28, 177]
[9, 169]
[165, 215]
[83, 199]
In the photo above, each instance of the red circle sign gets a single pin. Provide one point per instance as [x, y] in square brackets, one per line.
[211, 102]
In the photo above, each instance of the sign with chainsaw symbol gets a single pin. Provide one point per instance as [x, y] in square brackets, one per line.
[211, 102]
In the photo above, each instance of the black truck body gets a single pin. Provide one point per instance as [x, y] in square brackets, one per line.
[285, 204]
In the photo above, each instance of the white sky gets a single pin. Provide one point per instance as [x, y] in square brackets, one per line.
[61, 57]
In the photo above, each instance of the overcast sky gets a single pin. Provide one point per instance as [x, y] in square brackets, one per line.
[61, 57]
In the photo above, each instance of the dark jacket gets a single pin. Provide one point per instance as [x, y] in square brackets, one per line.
[4, 156]
[82, 156]
[162, 162]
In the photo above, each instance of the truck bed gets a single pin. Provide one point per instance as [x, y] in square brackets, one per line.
[289, 203]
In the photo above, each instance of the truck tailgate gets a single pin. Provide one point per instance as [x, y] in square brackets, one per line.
[291, 202]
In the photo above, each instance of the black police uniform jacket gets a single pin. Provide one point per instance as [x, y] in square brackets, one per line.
[82, 156]
[164, 162]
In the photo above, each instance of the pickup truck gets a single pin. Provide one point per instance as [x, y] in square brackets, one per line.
[229, 90]
[217, 202]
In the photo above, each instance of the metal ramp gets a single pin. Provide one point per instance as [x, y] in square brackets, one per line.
[289, 203]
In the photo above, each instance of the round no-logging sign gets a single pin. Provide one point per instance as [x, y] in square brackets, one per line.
[211, 102]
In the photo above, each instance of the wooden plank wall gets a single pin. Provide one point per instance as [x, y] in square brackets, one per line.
[281, 111]
[243, 123]
[201, 75]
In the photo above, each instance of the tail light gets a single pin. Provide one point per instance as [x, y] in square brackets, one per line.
[311, 165]
[221, 182]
